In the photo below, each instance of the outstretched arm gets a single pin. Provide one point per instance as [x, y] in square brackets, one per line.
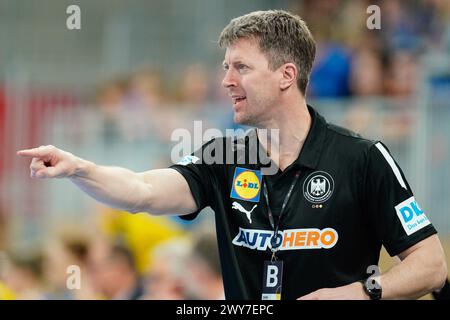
[161, 191]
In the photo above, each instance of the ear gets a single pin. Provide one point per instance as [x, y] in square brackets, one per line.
[289, 74]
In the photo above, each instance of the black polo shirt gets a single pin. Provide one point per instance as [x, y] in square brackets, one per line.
[351, 198]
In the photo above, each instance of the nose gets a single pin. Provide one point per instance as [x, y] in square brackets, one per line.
[229, 80]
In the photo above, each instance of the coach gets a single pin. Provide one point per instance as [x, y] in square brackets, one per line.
[312, 230]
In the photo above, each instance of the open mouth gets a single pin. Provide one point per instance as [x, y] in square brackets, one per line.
[238, 99]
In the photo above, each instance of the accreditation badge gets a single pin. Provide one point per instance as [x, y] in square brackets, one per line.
[272, 280]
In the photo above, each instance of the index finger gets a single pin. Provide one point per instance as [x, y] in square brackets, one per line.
[35, 152]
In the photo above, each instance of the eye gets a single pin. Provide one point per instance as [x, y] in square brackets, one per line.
[242, 66]
[225, 67]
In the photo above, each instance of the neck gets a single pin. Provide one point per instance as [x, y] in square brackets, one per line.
[293, 125]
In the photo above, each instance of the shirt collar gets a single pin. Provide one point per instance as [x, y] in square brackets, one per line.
[312, 148]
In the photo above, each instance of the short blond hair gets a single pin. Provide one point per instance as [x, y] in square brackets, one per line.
[282, 36]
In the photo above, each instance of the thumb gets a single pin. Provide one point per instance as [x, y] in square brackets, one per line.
[49, 172]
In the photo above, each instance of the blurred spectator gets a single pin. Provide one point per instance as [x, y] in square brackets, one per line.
[23, 276]
[141, 113]
[366, 77]
[330, 75]
[145, 111]
[193, 100]
[402, 74]
[133, 107]
[145, 89]
[413, 25]
[65, 251]
[110, 98]
[166, 278]
[205, 275]
[400, 25]
[140, 232]
[331, 70]
[193, 87]
[113, 271]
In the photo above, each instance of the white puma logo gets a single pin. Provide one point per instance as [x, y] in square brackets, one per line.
[238, 206]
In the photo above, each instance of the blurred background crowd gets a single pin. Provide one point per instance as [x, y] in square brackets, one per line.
[114, 91]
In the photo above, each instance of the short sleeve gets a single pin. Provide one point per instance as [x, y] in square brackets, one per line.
[199, 176]
[394, 214]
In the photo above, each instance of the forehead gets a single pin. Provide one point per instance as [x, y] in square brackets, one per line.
[244, 49]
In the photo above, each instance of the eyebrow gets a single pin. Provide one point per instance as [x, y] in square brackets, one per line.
[224, 63]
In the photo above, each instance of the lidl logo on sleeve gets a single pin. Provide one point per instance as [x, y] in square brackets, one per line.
[411, 216]
[246, 184]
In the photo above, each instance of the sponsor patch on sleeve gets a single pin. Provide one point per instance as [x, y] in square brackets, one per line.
[188, 160]
[411, 216]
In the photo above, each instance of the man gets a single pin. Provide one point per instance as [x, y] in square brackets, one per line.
[314, 229]
[205, 280]
[166, 276]
[113, 272]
